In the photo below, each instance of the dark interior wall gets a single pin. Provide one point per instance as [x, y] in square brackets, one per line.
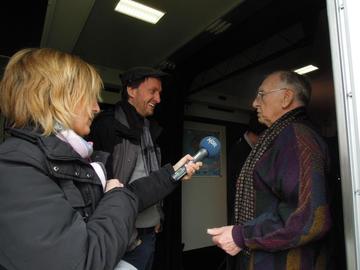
[22, 25]
[322, 106]
[170, 115]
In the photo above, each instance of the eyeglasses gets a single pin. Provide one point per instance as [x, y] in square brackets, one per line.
[261, 93]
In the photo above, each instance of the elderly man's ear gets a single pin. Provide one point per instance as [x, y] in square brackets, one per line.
[288, 99]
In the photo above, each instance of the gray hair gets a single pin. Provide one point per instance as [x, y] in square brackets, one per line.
[298, 83]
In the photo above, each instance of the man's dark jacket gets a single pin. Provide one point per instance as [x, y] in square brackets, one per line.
[117, 131]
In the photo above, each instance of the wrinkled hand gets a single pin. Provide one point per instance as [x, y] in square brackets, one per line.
[191, 167]
[112, 183]
[222, 237]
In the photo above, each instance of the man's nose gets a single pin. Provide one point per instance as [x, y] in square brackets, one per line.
[157, 97]
[255, 103]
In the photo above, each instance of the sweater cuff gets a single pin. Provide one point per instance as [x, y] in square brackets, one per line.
[238, 236]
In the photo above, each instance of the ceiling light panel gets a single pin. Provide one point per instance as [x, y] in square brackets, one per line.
[139, 11]
[306, 69]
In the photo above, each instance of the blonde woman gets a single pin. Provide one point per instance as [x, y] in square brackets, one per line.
[58, 211]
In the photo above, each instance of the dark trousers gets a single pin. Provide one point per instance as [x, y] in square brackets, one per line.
[143, 255]
[236, 262]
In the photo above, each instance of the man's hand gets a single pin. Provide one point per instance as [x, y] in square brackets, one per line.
[157, 228]
[222, 237]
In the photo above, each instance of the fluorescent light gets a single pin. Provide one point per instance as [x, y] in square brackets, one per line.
[139, 11]
[305, 69]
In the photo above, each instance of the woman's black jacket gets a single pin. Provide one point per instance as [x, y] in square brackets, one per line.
[53, 213]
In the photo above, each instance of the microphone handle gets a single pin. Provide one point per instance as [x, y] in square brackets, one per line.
[180, 173]
[202, 153]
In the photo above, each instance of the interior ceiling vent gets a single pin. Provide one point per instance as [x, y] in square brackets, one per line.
[217, 27]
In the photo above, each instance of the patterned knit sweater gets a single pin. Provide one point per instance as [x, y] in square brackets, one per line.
[292, 213]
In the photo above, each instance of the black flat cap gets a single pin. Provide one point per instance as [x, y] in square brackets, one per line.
[139, 73]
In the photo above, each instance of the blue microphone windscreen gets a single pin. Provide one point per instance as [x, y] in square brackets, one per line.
[211, 144]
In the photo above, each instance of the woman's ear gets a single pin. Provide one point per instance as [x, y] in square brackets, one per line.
[288, 98]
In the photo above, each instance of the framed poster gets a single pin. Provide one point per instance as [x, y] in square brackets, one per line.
[194, 132]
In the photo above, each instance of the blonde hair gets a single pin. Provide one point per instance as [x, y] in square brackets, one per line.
[42, 87]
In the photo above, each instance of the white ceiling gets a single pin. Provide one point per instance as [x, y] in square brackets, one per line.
[93, 30]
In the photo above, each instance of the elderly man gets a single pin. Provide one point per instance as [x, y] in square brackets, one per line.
[281, 208]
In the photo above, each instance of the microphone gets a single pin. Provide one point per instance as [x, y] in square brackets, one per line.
[209, 147]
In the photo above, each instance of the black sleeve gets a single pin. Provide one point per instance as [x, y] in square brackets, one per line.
[155, 187]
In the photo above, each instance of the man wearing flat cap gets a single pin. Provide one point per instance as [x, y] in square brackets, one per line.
[129, 134]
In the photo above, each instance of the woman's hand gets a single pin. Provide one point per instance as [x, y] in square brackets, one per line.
[113, 183]
[190, 166]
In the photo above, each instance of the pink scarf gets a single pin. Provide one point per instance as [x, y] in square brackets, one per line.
[84, 149]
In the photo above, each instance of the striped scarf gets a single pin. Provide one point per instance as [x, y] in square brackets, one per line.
[245, 193]
[148, 149]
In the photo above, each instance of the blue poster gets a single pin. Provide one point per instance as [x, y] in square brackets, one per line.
[191, 141]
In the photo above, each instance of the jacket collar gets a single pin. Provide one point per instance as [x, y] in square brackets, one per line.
[53, 147]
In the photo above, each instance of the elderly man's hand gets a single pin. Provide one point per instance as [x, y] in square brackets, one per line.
[222, 237]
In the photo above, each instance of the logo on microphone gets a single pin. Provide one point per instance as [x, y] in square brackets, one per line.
[211, 141]
[211, 145]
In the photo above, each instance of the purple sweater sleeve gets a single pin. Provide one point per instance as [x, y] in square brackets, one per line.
[238, 236]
